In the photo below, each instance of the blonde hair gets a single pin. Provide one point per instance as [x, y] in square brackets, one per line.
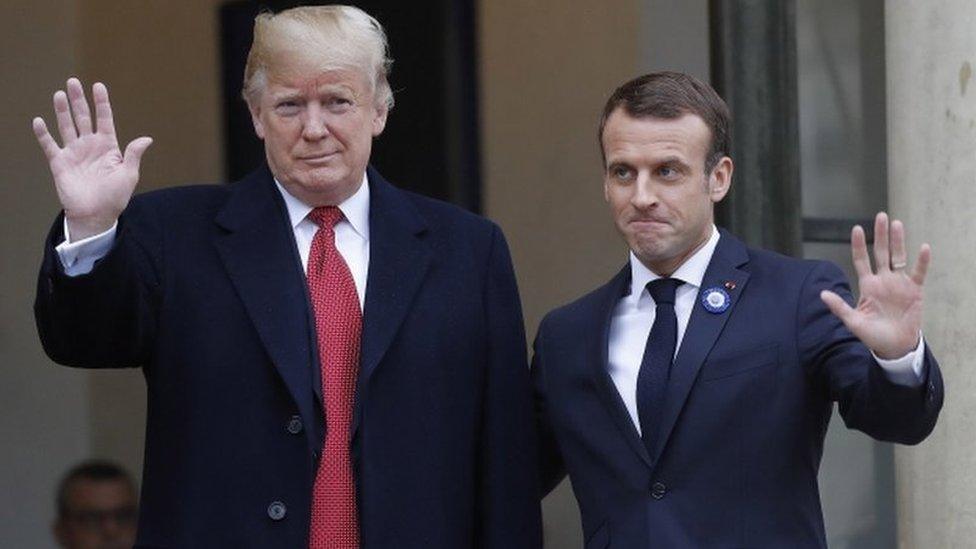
[328, 37]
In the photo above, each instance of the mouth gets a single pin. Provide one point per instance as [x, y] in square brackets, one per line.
[648, 223]
[316, 159]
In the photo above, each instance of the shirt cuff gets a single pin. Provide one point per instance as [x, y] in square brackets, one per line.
[78, 258]
[906, 370]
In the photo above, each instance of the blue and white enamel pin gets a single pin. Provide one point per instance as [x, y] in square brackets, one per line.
[716, 300]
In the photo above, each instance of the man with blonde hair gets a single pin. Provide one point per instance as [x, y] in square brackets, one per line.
[330, 361]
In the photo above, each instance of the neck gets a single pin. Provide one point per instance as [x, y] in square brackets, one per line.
[667, 267]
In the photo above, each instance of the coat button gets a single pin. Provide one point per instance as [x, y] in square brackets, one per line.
[658, 489]
[277, 510]
[294, 425]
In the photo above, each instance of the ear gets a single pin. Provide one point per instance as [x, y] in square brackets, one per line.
[255, 110]
[606, 189]
[720, 180]
[379, 119]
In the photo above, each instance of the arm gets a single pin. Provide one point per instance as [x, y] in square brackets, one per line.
[551, 467]
[101, 318]
[105, 318]
[510, 515]
[868, 398]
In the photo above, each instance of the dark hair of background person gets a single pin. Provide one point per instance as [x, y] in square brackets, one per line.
[671, 95]
[95, 470]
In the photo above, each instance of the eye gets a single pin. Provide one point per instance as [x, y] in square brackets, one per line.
[668, 172]
[288, 107]
[621, 172]
[339, 104]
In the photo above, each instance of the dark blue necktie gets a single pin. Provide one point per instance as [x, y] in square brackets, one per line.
[652, 380]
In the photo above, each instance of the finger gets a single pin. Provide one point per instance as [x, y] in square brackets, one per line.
[882, 260]
[79, 107]
[104, 123]
[859, 252]
[48, 145]
[66, 126]
[134, 151]
[840, 308]
[922, 264]
[899, 257]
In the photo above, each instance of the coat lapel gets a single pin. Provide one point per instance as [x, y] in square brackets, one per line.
[703, 330]
[599, 357]
[258, 249]
[398, 260]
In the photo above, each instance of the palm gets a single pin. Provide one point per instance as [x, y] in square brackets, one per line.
[93, 178]
[89, 174]
[888, 315]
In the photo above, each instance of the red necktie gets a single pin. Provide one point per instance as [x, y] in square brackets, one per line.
[338, 323]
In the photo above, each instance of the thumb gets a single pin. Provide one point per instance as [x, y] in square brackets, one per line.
[134, 151]
[839, 307]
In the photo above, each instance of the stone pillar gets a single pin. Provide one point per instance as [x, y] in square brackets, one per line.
[930, 52]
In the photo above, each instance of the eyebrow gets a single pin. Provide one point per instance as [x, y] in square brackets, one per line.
[672, 160]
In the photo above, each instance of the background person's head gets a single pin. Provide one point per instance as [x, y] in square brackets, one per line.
[316, 85]
[97, 507]
[665, 139]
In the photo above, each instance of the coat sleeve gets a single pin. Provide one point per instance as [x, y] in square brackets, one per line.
[106, 318]
[510, 515]
[868, 401]
[551, 467]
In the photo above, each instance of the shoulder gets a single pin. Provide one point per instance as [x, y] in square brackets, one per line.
[769, 265]
[184, 195]
[575, 317]
[441, 215]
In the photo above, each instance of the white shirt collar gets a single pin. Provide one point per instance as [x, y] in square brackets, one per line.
[691, 272]
[355, 208]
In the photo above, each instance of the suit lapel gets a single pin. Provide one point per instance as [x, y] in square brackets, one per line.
[703, 330]
[258, 250]
[599, 357]
[398, 260]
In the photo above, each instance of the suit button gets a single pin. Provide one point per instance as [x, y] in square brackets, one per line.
[277, 510]
[658, 489]
[294, 425]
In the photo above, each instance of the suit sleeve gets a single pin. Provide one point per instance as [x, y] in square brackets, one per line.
[551, 467]
[510, 516]
[867, 399]
[105, 318]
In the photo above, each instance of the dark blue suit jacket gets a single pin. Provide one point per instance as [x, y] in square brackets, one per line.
[205, 291]
[748, 403]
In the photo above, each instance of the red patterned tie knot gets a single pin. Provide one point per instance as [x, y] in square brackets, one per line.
[326, 216]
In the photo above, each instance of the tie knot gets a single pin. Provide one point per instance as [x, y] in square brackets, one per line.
[326, 216]
[662, 290]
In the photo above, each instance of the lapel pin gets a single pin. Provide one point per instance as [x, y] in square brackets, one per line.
[716, 300]
[729, 284]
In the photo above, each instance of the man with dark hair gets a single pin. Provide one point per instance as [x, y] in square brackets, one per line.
[688, 398]
[96, 507]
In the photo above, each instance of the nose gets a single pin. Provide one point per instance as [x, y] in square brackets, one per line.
[645, 195]
[315, 124]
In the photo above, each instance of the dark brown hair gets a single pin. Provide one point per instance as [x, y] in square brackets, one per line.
[671, 95]
[95, 470]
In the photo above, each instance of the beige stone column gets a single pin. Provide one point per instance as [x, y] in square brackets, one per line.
[930, 54]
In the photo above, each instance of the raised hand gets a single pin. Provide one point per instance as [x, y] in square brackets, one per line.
[93, 178]
[888, 316]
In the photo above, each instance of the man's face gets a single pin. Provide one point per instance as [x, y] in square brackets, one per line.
[655, 182]
[101, 514]
[318, 130]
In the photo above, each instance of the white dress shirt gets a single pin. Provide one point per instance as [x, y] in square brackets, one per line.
[351, 238]
[634, 315]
